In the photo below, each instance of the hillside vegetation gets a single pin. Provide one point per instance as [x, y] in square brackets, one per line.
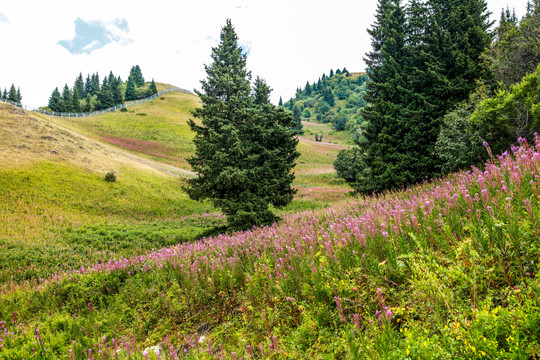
[56, 203]
[445, 270]
[335, 100]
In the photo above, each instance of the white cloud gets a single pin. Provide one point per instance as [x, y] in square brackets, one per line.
[290, 41]
[4, 18]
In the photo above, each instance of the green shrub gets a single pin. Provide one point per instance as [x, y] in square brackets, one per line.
[110, 177]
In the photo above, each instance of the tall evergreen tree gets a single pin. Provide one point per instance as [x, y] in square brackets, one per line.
[280, 101]
[328, 96]
[78, 86]
[137, 75]
[96, 87]
[457, 35]
[12, 95]
[385, 131]
[153, 88]
[55, 101]
[116, 90]
[241, 161]
[19, 96]
[297, 121]
[67, 100]
[261, 92]
[131, 93]
[307, 89]
[87, 86]
[76, 102]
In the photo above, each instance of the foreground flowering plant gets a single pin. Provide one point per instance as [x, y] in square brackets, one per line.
[379, 273]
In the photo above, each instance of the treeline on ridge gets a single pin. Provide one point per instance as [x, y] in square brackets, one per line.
[11, 95]
[92, 94]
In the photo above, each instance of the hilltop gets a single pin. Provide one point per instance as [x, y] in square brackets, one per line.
[335, 100]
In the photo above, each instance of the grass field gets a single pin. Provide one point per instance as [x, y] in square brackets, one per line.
[56, 204]
[443, 270]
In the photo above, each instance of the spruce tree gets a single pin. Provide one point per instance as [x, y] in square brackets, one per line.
[153, 88]
[297, 121]
[116, 90]
[96, 87]
[137, 75]
[457, 35]
[78, 86]
[67, 100]
[75, 102]
[55, 101]
[328, 96]
[19, 96]
[385, 130]
[131, 93]
[244, 151]
[12, 95]
[307, 89]
[280, 101]
[87, 86]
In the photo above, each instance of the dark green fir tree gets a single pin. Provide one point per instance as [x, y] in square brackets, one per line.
[153, 88]
[131, 93]
[67, 100]
[55, 101]
[244, 148]
[385, 156]
[12, 95]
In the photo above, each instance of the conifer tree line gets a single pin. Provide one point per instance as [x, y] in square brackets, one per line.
[92, 94]
[425, 59]
[442, 86]
[12, 94]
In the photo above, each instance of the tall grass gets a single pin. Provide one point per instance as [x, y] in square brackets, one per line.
[444, 270]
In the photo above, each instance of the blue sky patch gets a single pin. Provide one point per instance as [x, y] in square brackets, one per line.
[3, 18]
[93, 35]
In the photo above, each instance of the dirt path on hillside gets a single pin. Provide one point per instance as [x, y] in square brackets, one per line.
[164, 168]
[337, 146]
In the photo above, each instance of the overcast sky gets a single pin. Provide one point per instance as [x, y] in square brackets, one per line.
[46, 44]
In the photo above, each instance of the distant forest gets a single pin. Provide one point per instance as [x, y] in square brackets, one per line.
[335, 99]
[11, 95]
[91, 95]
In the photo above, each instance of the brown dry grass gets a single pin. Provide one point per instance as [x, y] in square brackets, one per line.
[26, 138]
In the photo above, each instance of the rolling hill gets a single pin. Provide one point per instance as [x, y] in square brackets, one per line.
[442, 270]
[56, 203]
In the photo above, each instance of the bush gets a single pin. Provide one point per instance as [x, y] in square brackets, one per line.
[110, 177]
[124, 109]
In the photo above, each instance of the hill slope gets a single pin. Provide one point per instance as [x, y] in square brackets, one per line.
[56, 204]
[445, 270]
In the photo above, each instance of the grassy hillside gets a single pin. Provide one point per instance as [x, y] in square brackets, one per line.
[56, 204]
[446, 270]
[158, 130]
[335, 100]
